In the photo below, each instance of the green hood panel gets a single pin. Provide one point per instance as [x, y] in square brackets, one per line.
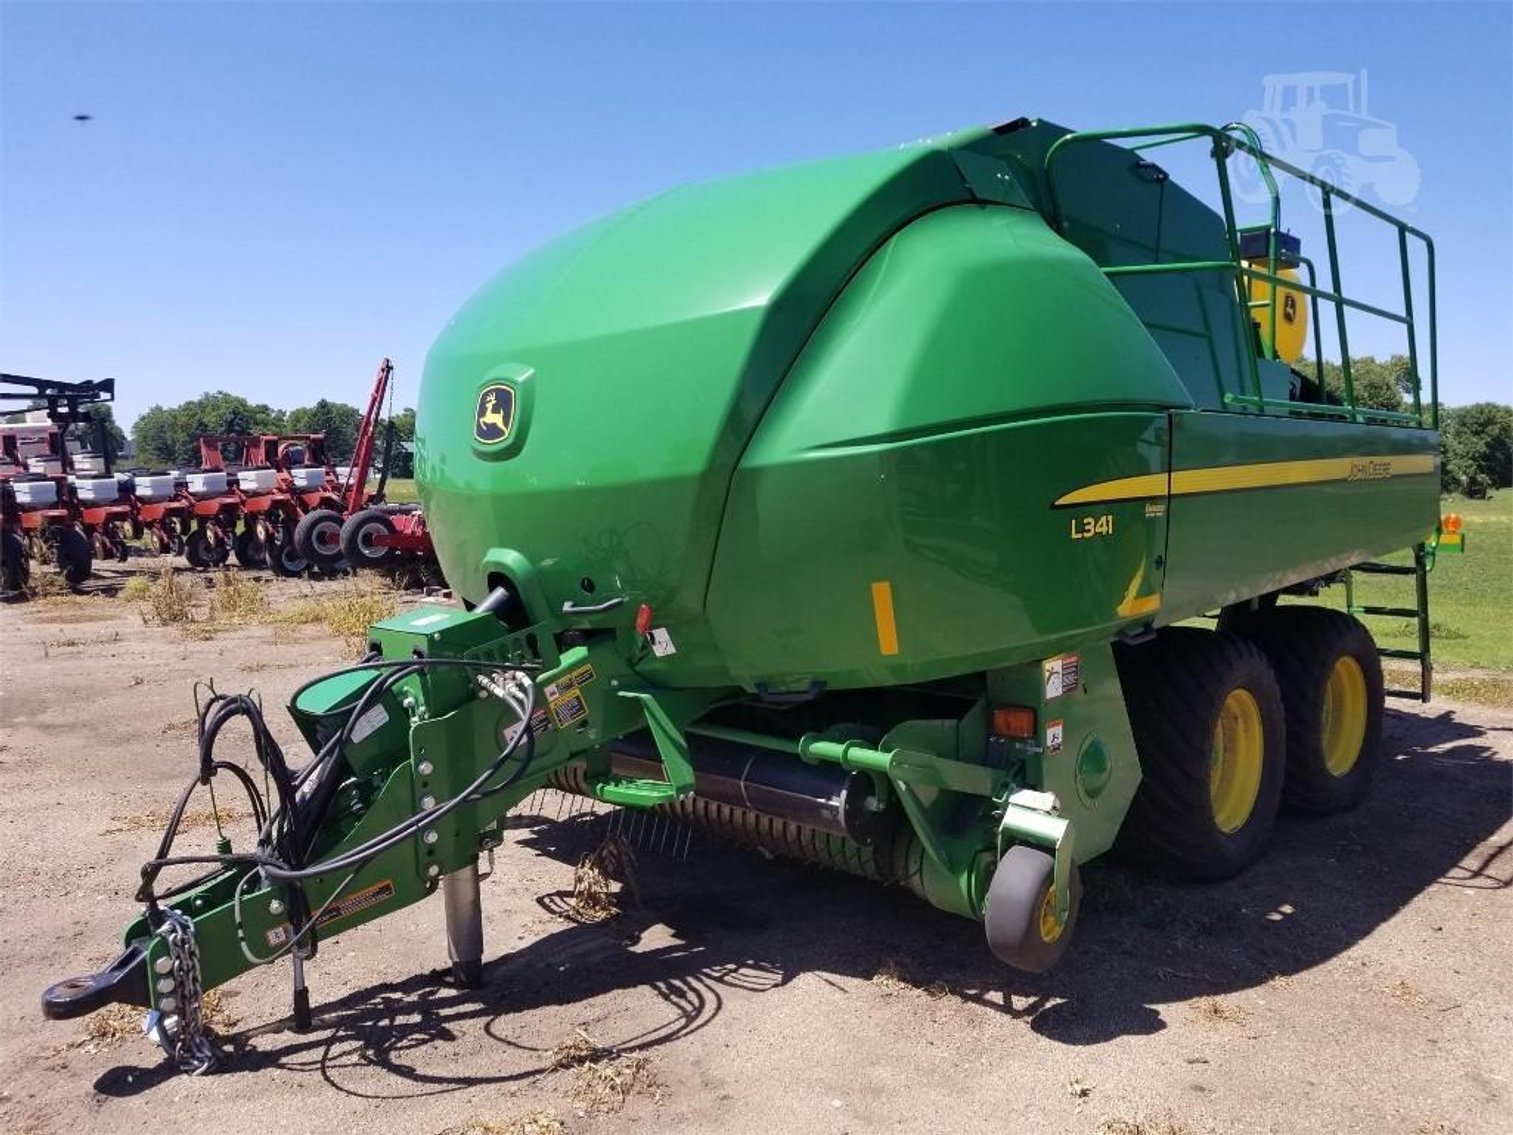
[643, 350]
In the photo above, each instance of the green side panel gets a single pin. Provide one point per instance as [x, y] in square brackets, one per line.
[1225, 547]
[972, 373]
[643, 351]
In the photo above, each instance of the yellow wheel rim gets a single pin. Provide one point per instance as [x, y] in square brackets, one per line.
[1050, 926]
[1234, 769]
[1344, 719]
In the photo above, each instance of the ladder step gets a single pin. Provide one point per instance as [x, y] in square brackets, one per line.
[1393, 652]
[1385, 569]
[1415, 695]
[1398, 612]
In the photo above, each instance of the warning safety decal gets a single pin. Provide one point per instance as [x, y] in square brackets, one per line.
[569, 682]
[1053, 735]
[1062, 674]
[569, 709]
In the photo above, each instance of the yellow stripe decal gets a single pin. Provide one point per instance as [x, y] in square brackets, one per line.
[882, 611]
[1125, 488]
[1262, 475]
[1136, 606]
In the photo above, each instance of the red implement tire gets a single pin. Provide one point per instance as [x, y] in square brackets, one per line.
[317, 537]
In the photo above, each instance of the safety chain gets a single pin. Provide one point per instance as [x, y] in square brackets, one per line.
[187, 1043]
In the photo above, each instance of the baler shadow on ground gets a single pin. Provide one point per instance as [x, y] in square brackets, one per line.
[728, 922]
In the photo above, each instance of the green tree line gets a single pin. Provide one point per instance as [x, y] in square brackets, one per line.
[169, 435]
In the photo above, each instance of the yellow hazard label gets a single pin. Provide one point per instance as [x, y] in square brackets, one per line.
[572, 680]
[569, 709]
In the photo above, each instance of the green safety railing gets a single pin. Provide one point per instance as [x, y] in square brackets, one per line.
[1237, 137]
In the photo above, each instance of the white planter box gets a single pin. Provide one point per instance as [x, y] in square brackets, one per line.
[257, 480]
[210, 483]
[97, 490]
[48, 465]
[155, 487]
[35, 494]
[309, 478]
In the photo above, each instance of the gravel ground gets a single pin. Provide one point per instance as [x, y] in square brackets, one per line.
[1355, 981]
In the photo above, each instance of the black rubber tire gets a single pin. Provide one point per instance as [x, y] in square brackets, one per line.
[74, 558]
[1303, 644]
[250, 549]
[15, 563]
[1174, 689]
[284, 557]
[318, 537]
[201, 553]
[170, 539]
[357, 535]
[1020, 888]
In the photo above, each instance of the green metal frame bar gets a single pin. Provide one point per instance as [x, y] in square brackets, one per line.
[1238, 136]
[1255, 274]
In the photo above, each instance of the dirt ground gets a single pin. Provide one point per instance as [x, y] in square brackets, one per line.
[1357, 980]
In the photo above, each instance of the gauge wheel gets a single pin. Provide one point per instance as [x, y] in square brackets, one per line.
[1020, 916]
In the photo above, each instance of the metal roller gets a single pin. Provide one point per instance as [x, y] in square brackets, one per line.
[825, 798]
[894, 854]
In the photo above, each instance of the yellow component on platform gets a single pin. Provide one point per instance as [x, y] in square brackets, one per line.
[1291, 314]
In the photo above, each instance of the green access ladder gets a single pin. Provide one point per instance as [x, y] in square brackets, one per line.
[1423, 560]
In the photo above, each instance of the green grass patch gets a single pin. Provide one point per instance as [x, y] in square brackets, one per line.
[1470, 595]
[347, 610]
[400, 490]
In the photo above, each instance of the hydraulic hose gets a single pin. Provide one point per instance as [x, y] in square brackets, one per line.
[305, 796]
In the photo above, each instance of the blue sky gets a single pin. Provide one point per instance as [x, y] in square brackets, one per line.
[272, 196]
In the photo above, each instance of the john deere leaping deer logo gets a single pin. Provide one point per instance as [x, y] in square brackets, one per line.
[495, 415]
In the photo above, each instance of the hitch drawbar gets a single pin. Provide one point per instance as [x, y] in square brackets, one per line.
[124, 981]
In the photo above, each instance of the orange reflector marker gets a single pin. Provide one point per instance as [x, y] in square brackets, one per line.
[882, 612]
[1451, 523]
[1014, 721]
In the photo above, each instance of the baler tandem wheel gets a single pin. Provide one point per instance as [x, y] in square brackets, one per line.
[1209, 730]
[1332, 691]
